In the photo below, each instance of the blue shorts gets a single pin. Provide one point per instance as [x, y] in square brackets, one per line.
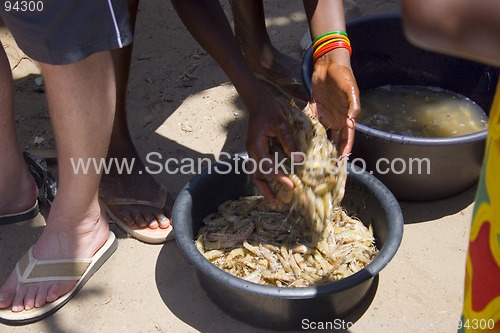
[60, 32]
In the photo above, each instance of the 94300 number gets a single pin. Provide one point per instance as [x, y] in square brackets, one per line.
[24, 6]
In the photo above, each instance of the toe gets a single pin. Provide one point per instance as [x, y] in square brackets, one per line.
[29, 299]
[150, 218]
[41, 297]
[18, 303]
[58, 289]
[52, 295]
[6, 299]
[128, 217]
[163, 221]
[7, 292]
[139, 218]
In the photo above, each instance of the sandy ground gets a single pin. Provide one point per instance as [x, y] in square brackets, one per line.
[181, 104]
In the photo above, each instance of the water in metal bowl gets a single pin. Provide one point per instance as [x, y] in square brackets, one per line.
[414, 168]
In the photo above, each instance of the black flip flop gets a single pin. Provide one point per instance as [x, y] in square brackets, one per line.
[47, 189]
[45, 181]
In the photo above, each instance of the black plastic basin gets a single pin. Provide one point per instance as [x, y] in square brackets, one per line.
[381, 56]
[280, 307]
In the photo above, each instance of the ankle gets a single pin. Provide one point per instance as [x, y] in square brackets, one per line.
[68, 216]
[121, 143]
[18, 192]
[77, 238]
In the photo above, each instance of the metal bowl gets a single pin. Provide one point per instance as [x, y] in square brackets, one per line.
[424, 168]
[284, 308]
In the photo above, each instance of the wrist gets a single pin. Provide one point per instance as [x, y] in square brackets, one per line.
[332, 46]
[254, 95]
[339, 56]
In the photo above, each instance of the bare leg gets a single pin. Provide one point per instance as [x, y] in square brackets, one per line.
[81, 100]
[17, 187]
[262, 57]
[138, 185]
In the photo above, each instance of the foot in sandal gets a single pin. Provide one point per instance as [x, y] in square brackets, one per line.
[72, 254]
[136, 202]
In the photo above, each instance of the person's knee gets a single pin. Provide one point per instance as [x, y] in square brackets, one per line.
[425, 21]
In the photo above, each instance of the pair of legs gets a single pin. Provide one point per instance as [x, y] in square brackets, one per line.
[262, 57]
[81, 99]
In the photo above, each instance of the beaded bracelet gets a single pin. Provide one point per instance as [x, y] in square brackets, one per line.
[330, 41]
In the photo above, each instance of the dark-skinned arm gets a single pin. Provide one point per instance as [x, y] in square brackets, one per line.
[334, 87]
[208, 24]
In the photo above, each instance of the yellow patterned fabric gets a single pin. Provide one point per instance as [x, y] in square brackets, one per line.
[481, 311]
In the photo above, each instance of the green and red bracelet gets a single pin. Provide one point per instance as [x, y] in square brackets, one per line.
[330, 41]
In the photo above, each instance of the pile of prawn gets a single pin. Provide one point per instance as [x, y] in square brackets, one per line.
[249, 240]
[309, 239]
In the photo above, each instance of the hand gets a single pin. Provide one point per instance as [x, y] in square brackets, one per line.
[268, 120]
[335, 97]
